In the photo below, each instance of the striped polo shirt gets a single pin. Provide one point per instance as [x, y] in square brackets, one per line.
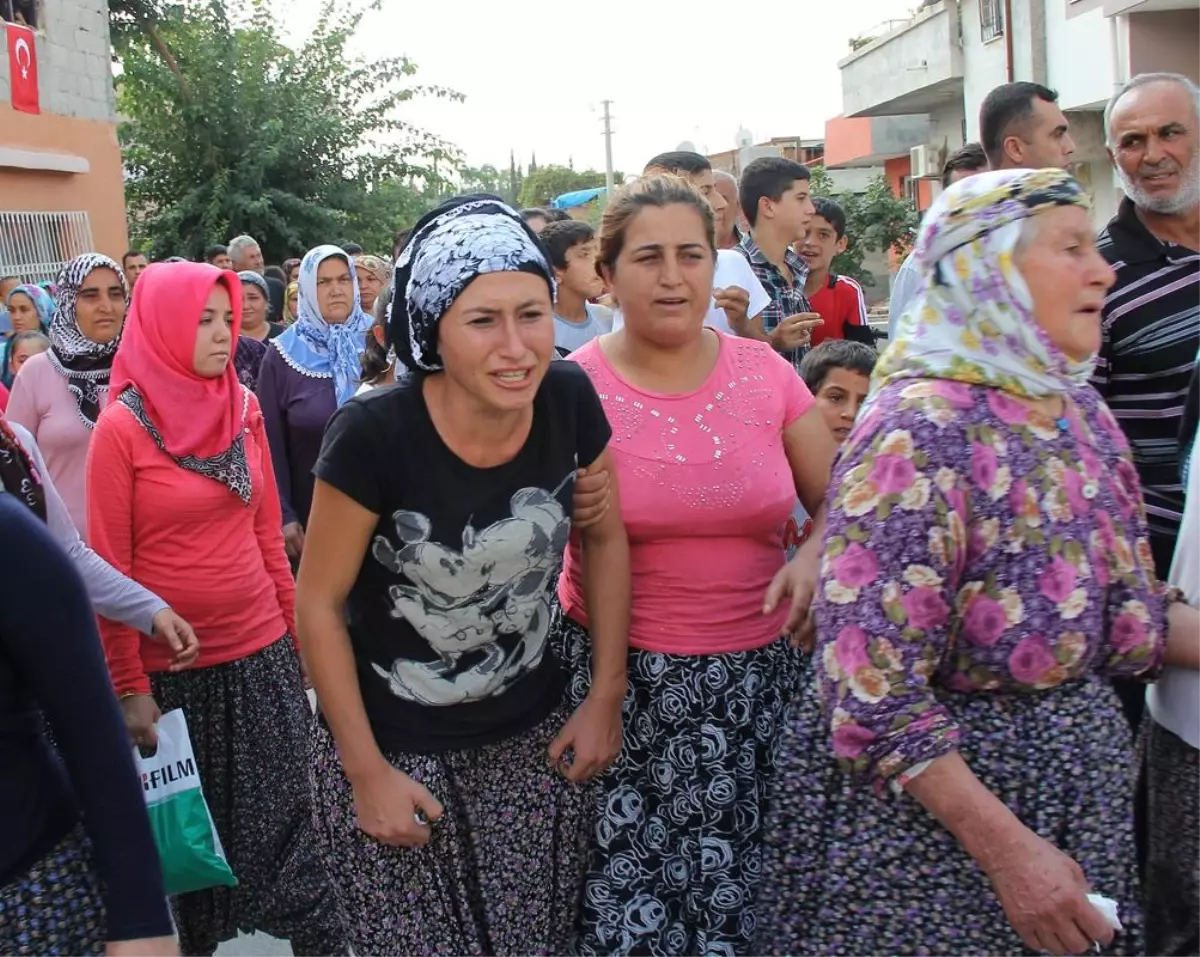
[1151, 336]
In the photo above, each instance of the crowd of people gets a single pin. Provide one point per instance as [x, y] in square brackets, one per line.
[650, 605]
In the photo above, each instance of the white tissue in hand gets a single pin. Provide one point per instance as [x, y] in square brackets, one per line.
[1108, 908]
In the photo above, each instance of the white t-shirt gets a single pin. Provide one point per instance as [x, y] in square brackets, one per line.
[733, 269]
[1174, 701]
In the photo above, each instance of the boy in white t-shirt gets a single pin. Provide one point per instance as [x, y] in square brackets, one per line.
[572, 247]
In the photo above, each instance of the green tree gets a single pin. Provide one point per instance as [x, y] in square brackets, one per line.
[483, 179]
[540, 186]
[876, 221]
[294, 147]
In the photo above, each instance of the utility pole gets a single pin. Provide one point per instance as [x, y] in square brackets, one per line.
[608, 166]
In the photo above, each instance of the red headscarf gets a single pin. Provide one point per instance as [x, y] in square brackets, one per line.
[194, 415]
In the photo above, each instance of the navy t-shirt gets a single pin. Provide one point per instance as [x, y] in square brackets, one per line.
[449, 617]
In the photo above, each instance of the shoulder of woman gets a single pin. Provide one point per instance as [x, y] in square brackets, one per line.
[569, 374]
[35, 369]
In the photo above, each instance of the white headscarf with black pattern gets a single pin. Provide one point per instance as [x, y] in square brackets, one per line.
[84, 363]
[451, 248]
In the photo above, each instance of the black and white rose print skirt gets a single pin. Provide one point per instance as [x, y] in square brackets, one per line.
[675, 856]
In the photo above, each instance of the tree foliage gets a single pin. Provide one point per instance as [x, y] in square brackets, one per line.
[543, 183]
[876, 221]
[231, 131]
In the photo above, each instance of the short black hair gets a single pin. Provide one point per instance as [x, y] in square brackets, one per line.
[562, 236]
[214, 251]
[275, 272]
[836, 354]
[966, 159]
[769, 176]
[557, 215]
[679, 161]
[1006, 106]
[534, 212]
[831, 211]
[352, 249]
[129, 255]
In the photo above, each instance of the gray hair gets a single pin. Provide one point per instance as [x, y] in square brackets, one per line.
[1145, 79]
[240, 243]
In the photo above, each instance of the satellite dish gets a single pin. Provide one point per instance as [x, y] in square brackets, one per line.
[687, 146]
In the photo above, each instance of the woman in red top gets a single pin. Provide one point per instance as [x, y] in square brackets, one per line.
[185, 441]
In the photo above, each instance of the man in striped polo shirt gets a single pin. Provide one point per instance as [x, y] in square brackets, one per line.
[1152, 313]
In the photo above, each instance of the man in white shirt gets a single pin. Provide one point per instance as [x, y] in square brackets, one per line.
[737, 294]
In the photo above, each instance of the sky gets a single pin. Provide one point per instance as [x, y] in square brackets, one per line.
[535, 72]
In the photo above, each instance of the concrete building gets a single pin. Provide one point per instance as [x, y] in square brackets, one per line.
[61, 186]
[850, 178]
[939, 65]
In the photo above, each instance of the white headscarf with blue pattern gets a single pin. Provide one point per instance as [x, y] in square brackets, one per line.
[316, 348]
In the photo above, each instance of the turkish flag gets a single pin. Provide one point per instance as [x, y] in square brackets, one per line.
[22, 68]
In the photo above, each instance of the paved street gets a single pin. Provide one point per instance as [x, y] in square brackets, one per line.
[255, 945]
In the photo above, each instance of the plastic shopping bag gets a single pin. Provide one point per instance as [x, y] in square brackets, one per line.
[188, 846]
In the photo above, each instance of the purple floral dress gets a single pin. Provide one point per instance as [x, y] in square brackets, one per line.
[985, 572]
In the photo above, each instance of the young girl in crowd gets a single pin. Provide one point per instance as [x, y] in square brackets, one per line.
[714, 438]
[186, 443]
[30, 309]
[378, 362]
[448, 766]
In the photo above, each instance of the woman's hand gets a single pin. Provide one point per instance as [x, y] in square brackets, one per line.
[593, 734]
[141, 715]
[387, 802]
[145, 947]
[1043, 893]
[590, 498]
[293, 540]
[796, 582]
[177, 633]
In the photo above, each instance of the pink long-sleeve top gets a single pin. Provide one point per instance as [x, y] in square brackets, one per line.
[218, 562]
[41, 402]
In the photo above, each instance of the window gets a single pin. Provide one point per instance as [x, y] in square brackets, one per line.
[20, 11]
[35, 246]
[991, 19]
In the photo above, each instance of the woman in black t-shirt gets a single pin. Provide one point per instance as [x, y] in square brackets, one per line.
[449, 773]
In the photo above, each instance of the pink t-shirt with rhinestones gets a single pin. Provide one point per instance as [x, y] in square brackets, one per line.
[706, 492]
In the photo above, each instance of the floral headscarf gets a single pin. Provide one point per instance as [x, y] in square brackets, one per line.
[41, 302]
[293, 289]
[83, 363]
[973, 321]
[374, 265]
[315, 348]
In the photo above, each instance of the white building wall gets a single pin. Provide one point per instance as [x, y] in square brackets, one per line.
[1078, 56]
[983, 65]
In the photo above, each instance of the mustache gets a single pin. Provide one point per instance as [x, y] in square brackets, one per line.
[1165, 165]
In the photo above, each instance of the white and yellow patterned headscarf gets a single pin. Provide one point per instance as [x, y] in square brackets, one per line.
[973, 321]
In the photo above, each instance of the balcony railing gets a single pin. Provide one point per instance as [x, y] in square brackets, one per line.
[914, 68]
[35, 246]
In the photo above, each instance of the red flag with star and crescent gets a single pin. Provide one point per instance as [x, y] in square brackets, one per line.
[22, 68]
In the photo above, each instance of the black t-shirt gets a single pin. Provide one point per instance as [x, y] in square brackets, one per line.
[450, 614]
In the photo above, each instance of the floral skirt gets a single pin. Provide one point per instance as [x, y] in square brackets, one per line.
[55, 908]
[675, 858]
[249, 721]
[1173, 842]
[849, 872]
[503, 868]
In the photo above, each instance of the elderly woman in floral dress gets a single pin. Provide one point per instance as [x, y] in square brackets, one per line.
[986, 570]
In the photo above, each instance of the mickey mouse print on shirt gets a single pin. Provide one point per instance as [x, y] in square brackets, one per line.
[484, 609]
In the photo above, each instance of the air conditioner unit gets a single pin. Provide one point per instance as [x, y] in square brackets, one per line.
[920, 161]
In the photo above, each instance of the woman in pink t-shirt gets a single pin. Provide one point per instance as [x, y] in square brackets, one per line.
[713, 439]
